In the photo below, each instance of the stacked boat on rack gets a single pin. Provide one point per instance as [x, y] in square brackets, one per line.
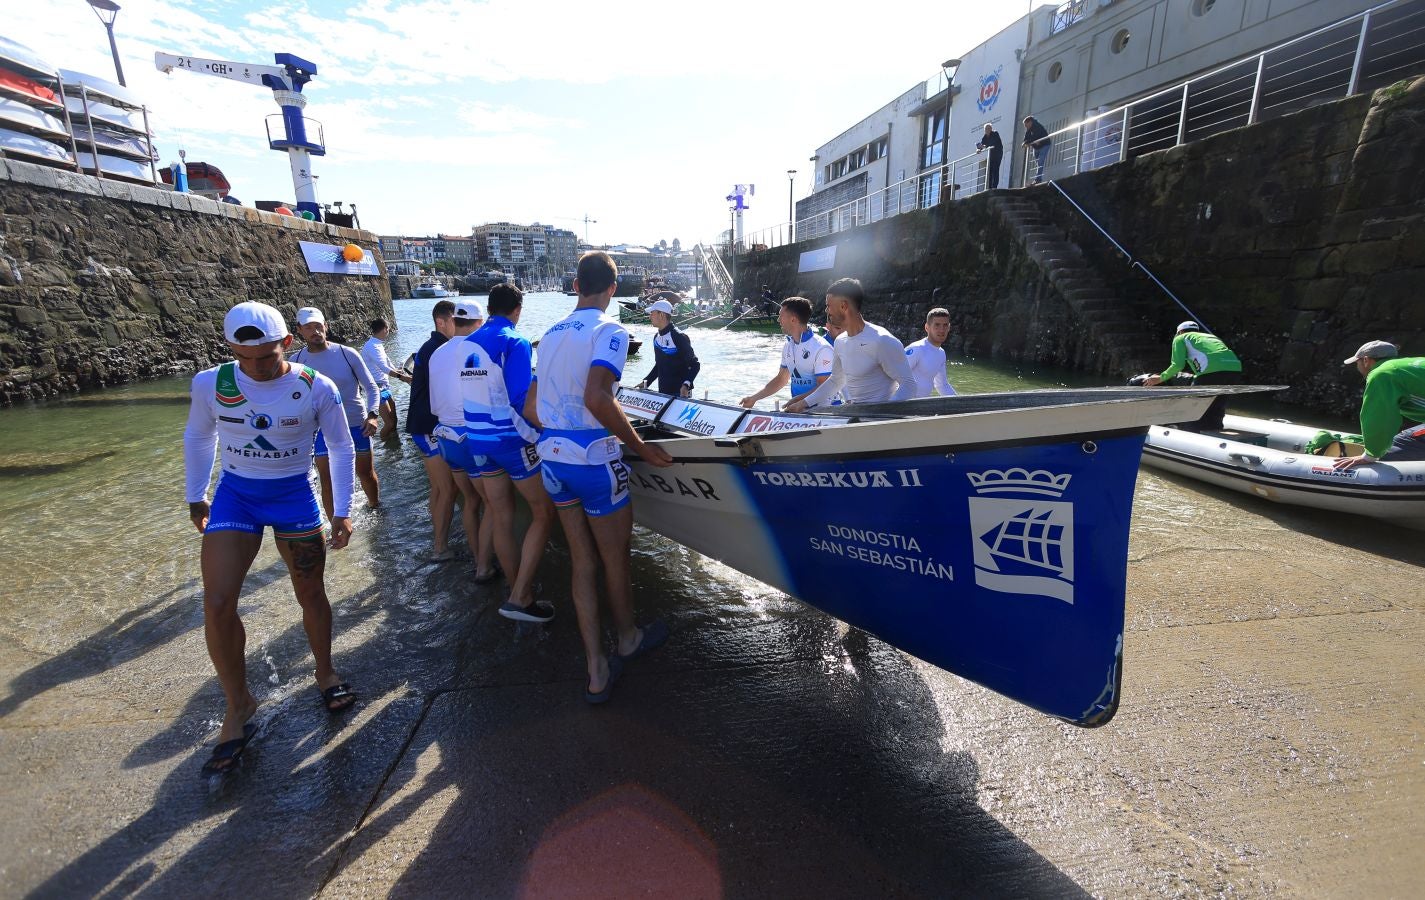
[63, 118]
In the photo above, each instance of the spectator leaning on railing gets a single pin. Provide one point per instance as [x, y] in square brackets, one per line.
[1037, 138]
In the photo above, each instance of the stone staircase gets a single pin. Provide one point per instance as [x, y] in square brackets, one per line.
[1116, 337]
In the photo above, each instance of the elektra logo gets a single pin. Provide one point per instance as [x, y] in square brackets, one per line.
[1023, 545]
[688, 420]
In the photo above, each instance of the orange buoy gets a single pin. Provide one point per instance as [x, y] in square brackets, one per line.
[352, 253]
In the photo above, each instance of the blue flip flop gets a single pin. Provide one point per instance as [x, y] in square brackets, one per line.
[654, 634]
[615, 670]
[228, 754]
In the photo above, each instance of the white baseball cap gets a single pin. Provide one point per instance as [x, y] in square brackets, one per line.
[469, 309]
[662, 306]
[1374, 350]
[251, 314]
[309, 314]
[1189, 326]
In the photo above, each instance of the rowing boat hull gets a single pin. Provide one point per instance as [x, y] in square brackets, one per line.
[993, 544]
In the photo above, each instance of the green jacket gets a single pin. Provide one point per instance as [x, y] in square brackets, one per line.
[1202, 354]
[1395, 389]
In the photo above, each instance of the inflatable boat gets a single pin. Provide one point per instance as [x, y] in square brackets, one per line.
[1270, 459]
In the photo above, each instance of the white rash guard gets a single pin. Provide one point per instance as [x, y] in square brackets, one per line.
[344, 366]
[265, 429]
[868, 367]
[927, 363]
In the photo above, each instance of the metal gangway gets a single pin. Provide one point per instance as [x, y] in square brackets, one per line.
[715, 271]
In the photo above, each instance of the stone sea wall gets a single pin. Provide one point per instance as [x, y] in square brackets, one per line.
[1296, 240]
[103, 282]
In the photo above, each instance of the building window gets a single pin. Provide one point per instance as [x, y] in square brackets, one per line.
[856, 160]
[1202, 7]
[934, 140]
[838, 168]
[1120, 40]
[876, 150]
[1056, 71]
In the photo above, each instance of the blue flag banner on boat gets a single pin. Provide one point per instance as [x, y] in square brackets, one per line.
[327, 258]
[818, 260]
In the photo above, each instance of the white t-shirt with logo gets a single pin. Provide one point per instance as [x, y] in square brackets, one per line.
[265, 429]
[927, 363]
[584, 339]
[373, 353]
[806, 359]
[447, 398]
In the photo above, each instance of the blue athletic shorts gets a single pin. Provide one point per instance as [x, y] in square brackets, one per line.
[385, 394]
[602, 489]
[427, 444]
[458, 456]
[519, 463]
[252, 504]
[363, 443]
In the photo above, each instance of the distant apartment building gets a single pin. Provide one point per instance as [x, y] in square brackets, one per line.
[525, 250]
[459, 250]
[422, 250]
[390, 245]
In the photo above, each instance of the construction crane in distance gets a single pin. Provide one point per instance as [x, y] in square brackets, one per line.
[586, 220]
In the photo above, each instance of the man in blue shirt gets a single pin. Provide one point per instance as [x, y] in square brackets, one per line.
[495, 378]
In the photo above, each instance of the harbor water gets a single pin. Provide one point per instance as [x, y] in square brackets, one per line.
[1268, 740]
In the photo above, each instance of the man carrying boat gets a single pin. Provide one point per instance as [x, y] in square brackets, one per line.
[1395, 390]
[495, 377]
[1210, 362]
[572, 398]
[806, 356]
[869, 363]
[927, 355]
[675, 365]
[447, 404]
[359, 396]
[261, 414]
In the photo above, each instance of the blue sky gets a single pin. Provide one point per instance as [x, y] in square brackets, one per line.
[442, 115]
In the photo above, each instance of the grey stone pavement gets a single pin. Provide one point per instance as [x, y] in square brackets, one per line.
[1269, 740]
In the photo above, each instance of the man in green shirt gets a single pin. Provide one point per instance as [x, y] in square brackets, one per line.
[1395, 390]
[1209, 361]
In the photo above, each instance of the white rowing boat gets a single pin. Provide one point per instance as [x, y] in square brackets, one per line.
[986, 534]
[1268, 459]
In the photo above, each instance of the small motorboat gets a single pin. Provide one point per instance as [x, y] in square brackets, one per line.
[986, 534]
[1270, 459]
[29, 148]
[430, 289]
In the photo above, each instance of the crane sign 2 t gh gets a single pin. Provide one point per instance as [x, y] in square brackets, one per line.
[286, 80]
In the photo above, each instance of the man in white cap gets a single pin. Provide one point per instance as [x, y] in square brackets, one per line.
[1210, 362]
[447, 404]
[260, 414]
[1395, 390]
[360, 397]
[675, 365]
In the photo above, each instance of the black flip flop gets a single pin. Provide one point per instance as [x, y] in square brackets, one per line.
[228, 754]
[654, 634]
[338, 692]
[594, 698]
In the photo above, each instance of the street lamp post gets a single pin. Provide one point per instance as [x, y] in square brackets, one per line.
[791, 216]
[108, 11]
[948, 67]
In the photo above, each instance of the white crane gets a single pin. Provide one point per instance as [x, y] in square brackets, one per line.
[285, 80]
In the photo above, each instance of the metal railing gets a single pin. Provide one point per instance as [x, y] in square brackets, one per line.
[1067, 14]
[714, 269]
[1366, 51]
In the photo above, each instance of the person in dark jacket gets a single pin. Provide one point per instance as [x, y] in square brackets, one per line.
[992, 143]
[674, 362]
[420, 422]
[1036, 137]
